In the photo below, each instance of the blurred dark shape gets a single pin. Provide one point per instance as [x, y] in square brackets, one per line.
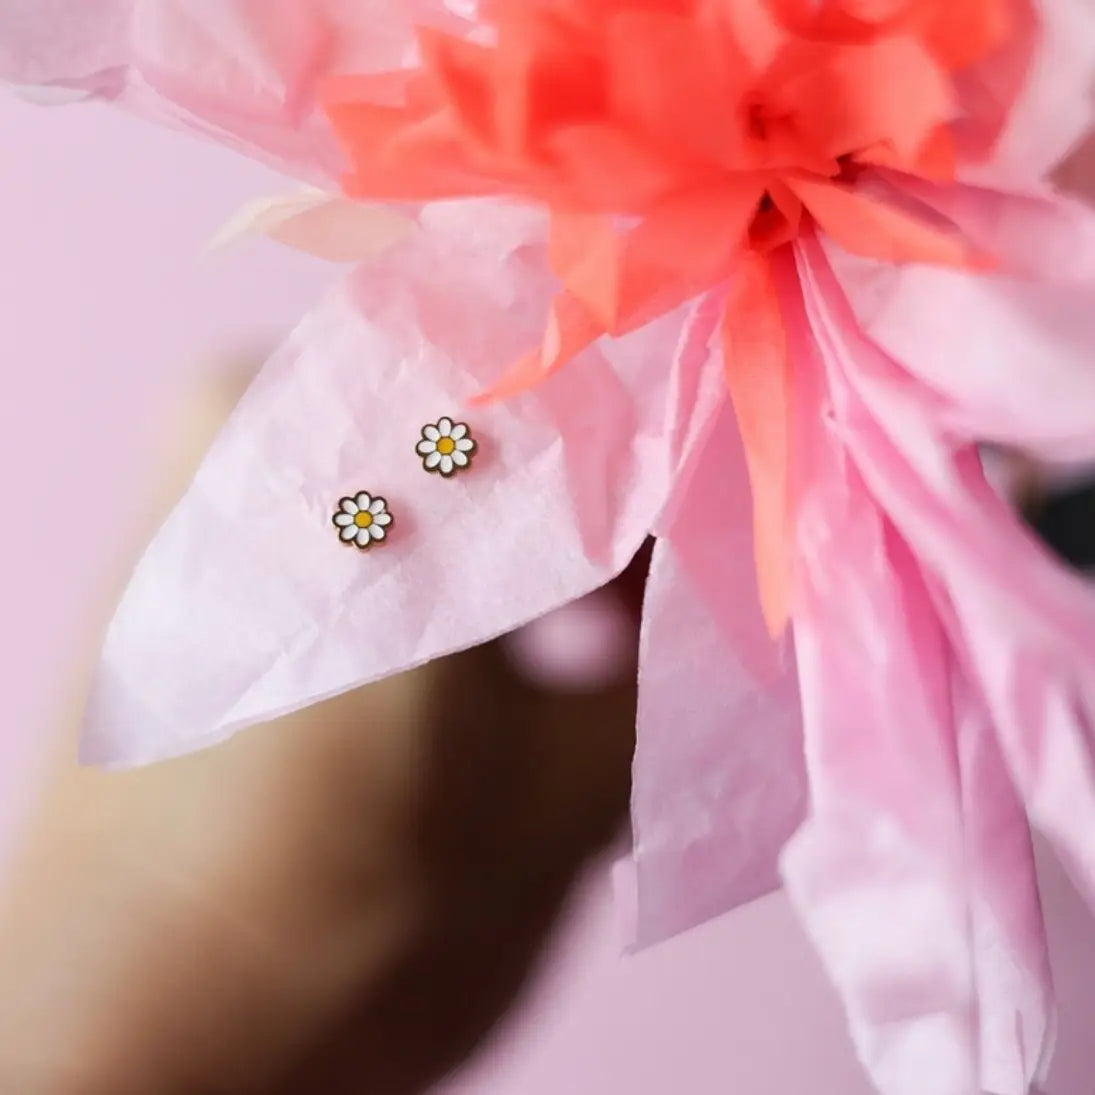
[1065, 520]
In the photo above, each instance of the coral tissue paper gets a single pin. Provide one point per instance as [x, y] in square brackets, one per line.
[757, 278]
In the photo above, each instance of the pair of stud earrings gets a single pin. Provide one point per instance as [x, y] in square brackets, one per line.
[446, 449]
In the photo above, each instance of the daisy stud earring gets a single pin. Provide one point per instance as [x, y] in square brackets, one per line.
[362, 520]
[446, 447]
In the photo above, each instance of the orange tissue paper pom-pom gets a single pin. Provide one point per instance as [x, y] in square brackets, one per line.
[676, 145]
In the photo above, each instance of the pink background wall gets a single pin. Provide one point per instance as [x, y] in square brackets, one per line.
[106, 302]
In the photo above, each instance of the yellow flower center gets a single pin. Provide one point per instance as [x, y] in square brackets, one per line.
[446, 446]
[364, 519]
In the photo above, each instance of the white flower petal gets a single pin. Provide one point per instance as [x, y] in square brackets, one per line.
[364, 500]
[379, 506]
[363, 539]
[433, 460]
[444, 427]
[377, 532]
[348, 505]
[318, 223]
[431, 433]
[383, 519]
[466, 444]
[458, 431]
[446, 465]
[576, 544]
[460, 459]
[344, 520]
[348, 533]
[424, 448]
